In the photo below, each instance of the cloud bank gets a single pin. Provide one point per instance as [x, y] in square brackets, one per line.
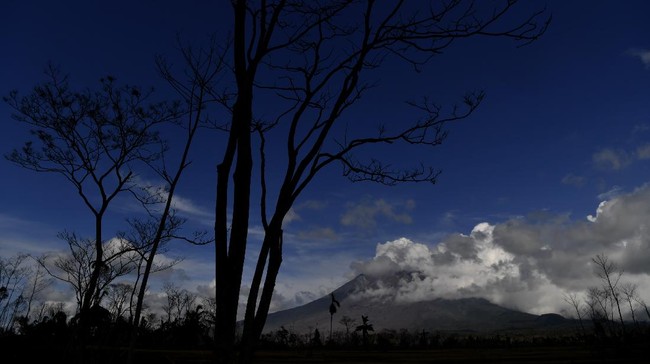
[523, 263]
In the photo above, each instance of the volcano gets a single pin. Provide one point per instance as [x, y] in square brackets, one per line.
[464, 315]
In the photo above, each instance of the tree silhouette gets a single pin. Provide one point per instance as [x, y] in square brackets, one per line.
[605, 304]
[609, 273]
[424, 340]
[347, 322]
[315, 341]
[204, 66]
[365, 328]
[572, 299]
[316, 55]
[14, 275]
[76, 268]
[93, 139]
[629, 292]
[333, 307]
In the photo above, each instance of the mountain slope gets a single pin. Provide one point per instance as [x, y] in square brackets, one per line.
[459, 315]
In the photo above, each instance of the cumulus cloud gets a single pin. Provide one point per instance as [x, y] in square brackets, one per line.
[523, 263]
[365, 214]
[599, 211]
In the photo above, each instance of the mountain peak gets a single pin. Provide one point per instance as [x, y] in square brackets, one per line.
[358, 284]
[466, 314]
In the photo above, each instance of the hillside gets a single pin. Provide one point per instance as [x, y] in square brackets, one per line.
[458, 315]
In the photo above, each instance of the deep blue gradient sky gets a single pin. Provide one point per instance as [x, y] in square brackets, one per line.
[565, 125]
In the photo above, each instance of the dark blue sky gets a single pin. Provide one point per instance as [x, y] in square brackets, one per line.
[565, 125]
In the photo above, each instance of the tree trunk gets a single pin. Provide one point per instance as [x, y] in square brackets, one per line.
[91, 293]
[254, 325]
[230, 252]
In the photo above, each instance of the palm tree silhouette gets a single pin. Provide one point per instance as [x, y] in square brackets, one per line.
[365, 328]
[333, 307]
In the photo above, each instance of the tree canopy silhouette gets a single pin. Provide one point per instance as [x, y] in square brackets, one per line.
[365, 328]
[313, 58]
[94, 139]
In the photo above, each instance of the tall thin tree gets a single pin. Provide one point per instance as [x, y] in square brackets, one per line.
[317, 54]
[196, 92]
[334, 305]
[92, 138]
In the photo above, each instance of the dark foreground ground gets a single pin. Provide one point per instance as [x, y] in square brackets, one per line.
[575, 353]
[564, 354]
[555, 355]
[514, 355]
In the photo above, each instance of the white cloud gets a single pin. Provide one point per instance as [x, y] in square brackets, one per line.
[599, 211]
[611, 193]
[521, 263]
[180, 203]
[187, 206]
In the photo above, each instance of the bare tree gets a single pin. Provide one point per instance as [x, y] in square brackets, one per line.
[210, 307]
[629, 292]
[204, 65]
[348, 322]
[598, 311]
[172, 294]
[196, 91]
[609, 273]
[76, 268]
[572, 299]
[48, 309]
[317, 55]
[179, 302]
[140, 236]
[642, 303]
[117, 299]
[14, 278]
[93, 139]
[38, 283]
